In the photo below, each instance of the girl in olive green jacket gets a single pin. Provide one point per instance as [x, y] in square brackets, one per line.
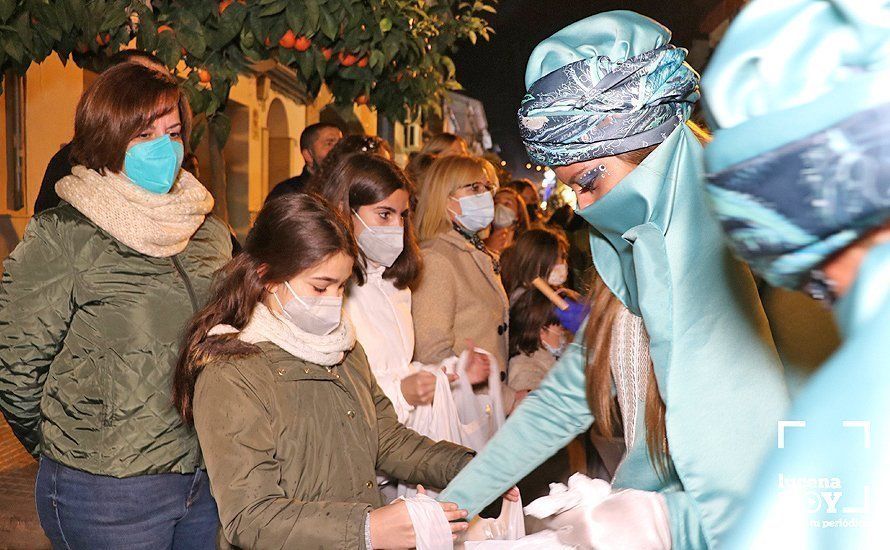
[292, 423]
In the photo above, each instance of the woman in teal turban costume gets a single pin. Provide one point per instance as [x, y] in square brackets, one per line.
[799, 175]
[604, 86]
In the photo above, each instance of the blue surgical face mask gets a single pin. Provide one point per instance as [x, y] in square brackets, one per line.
[477, 211]
[154, 165]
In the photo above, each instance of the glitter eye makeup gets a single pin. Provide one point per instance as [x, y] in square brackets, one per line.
[587, 180]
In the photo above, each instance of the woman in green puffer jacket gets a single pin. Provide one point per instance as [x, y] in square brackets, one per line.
[93, 303]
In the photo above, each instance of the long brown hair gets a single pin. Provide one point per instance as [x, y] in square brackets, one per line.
[534, 254]
[292, 233]
[361, 179]
[604, 310]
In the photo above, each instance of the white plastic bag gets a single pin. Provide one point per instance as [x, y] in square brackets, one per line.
[439, 421]
[431, 528]
[481, 414]
[510, 525]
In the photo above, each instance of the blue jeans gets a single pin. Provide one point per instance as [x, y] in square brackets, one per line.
[152, 512]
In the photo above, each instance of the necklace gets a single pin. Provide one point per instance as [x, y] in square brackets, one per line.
[474, 239]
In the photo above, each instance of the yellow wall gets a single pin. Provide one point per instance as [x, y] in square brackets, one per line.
[52, 91]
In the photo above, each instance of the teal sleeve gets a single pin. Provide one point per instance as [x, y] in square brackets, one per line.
[545, 422]
[686, 528]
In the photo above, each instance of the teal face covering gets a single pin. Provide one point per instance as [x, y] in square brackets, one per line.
[153, 165]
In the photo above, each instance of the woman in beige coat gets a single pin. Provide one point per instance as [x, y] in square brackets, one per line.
[460, 298]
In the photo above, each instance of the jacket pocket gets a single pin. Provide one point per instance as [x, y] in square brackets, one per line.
[106, 388]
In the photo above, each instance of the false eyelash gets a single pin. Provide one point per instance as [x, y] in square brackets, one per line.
[588, 180]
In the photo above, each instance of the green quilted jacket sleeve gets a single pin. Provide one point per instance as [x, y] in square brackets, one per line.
[406, 455]
[36, 306]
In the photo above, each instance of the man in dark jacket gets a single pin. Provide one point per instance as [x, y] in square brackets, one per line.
[315, 143]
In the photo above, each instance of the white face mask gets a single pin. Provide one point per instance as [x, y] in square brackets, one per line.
[477, 211]
[504, 216]
[383, 244]
[318, 315]
[558, 275]
[558, 350]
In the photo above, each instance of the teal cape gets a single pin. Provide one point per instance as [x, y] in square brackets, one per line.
[828, 485]
[659, 250]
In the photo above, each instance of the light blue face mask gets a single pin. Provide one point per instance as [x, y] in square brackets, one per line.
[154, 165]
[477, 211]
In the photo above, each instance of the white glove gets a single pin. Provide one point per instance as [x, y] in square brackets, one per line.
[625, 519]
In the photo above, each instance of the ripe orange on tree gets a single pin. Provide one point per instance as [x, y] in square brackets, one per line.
[204, 75]
[288, 40]
[302, 43]
[327, 53]
[363, 62]
[362, 99]
[347, 59]
[165, 28]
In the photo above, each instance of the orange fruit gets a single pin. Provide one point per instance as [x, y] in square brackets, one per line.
[362, 99]
[302, 44]
[363, 62]
[165, 28]
[327, 53]
[204, 76]
[288, 40]
[347, 59]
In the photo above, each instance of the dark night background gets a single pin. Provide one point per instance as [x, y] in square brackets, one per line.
[494, 72]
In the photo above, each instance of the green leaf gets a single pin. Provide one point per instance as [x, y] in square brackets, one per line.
[191, 34]
[376, 59]
[449, 66]
[23, 28]
[114, 18]
[295, 17]
[6, 9]
[14, 48]
[385, 25]
[329, 25]
[312, 16]
[306, 65]
[274, 7]
[472, 36]
[220, 126]
[198, 132]
[320, 63]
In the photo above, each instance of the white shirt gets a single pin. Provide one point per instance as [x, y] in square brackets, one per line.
[381, 315]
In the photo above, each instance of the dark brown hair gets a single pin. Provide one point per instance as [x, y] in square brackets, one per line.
[311, 132]
[530, 311]
[418, 164]
[292, 233]
[604, 310]
[361, 179]
[534, 254]
[122, 102]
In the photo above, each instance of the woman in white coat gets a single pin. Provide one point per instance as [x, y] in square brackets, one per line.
[377, 195]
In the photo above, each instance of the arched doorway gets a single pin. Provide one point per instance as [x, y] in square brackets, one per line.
[280, 147]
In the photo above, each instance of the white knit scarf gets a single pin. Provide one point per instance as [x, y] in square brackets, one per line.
[267, 326]
[157, 225]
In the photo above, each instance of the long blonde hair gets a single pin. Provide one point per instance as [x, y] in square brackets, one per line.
[442, 179]
[604, 310]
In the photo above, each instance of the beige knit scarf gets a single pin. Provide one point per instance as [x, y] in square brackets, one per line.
[157, 225]
[268, 326]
